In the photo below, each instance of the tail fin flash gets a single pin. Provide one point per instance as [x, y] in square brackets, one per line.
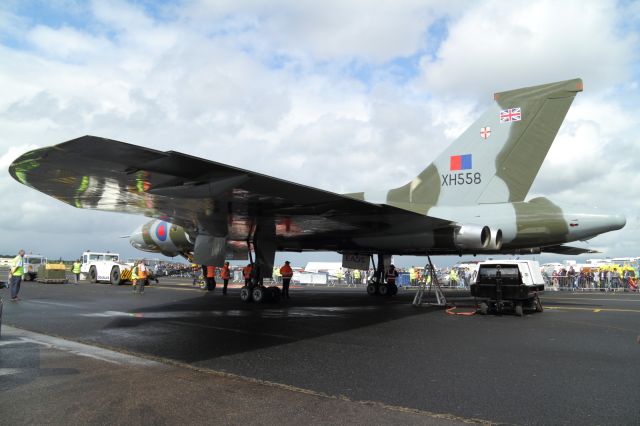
[499, 156]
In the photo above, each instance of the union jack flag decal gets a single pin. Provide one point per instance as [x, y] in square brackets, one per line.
[511, 114]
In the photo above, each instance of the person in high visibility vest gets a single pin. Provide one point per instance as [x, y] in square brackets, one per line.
[413, 276]
[246, 273]
[453, 277]
[356, 276]
[225, 274]
[16, 272]
[195, 269]
[286, 273]
[139, 276]
[391, 275]
[211, 278]
[75, 269]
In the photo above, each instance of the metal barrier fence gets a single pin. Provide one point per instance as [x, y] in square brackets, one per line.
[590, 283]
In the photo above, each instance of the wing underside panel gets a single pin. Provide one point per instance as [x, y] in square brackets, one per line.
[103, 174]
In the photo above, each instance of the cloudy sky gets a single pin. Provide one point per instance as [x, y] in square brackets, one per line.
[320, 93]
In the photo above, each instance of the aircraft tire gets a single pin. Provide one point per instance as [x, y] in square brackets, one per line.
[519, 310]
[245, 294]
[372, 290]
[93, 275]
[259, 294]
[384, 290]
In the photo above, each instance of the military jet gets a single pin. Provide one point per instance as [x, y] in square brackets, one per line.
[470, 200]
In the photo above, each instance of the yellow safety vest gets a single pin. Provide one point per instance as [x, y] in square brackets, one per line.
[18, 263]
[76, 268]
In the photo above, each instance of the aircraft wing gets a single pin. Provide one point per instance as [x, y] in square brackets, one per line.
[103, 174]
[568, 250]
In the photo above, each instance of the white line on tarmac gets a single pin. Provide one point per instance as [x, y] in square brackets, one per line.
[596, 300]
[9, 371]
[76, 348]
[66, 305]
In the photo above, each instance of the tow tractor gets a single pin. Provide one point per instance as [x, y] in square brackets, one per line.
[508, 285]
[105, 267]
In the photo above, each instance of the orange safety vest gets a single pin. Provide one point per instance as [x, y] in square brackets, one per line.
[391, 276]
[224, 273]
[142, 273]
[286, 271]
[246, 271]
[211, 271]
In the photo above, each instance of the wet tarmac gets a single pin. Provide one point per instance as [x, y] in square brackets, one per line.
[576, 363]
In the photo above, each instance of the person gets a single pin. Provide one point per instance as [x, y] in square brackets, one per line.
[16, 272]
[356, 277]
[211, 278]
[246, 273]
[76, 270]
[391, 275]
[453, 277]
[138, 277]
[225, 274]
[286, 273]
[196, 273]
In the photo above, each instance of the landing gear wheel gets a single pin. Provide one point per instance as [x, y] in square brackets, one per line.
[484, 308]
[114, 277]
[519, 310]
[538, 304]
[259, 294]
[93, 275]
[384, 290]
[245, 294]
[372, 290]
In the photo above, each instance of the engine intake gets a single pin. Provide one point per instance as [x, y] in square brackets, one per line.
[473, 237]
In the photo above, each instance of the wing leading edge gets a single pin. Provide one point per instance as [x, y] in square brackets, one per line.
[102, 174]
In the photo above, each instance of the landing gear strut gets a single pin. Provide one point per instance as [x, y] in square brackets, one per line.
[256, 291]
[377, 284]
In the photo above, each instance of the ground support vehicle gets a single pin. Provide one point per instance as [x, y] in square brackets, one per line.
[52, 273]
[105, 267]
[31, 264]
[508, 285]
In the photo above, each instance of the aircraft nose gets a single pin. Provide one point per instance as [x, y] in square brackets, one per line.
[619, 221]
[136, 239]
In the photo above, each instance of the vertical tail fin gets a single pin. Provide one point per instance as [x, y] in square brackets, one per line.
[498, 157]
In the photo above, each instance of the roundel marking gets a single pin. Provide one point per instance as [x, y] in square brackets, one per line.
[161, 231]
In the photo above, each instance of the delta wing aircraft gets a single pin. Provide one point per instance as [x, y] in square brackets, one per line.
[470, 200]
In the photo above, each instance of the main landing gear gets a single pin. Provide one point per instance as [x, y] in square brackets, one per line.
[377, 284]
[256, 291]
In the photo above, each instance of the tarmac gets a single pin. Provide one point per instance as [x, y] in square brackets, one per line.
[98, 354]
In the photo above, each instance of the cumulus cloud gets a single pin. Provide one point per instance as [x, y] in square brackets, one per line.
[345, 96]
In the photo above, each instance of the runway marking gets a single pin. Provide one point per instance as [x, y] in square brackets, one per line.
[9, 371]
[66, 305]
[574, 308]
[77, 348]
[596, 300]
